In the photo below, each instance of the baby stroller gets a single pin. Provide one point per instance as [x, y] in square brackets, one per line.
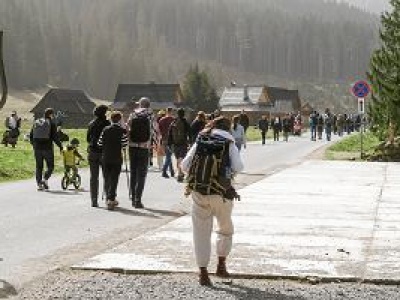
[71, 158]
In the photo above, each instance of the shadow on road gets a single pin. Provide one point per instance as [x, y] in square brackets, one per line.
[241, 292]
[166, 213]
[132, 212]
[6, 289]
[67, 192]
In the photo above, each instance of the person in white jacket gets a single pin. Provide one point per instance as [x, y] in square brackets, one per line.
[205, 207]
[238, 133]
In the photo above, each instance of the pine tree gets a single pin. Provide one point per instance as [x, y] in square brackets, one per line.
[198, 91]
[384, 75]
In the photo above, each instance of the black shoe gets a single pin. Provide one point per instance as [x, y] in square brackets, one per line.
[165, 175]
[95, 204]
[180, 178]
[45, 185]
[139, 204]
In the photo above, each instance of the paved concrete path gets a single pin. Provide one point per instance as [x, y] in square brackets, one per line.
[319, 218]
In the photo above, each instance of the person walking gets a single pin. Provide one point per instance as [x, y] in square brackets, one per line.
[164, 125]
[276, 125]
[95, 128]
[244, 120]
[205, 205]
[179, 139]
[286, 127]
[313, 125]
[198, 125]
[113, 140]
[42, 136]
[141, 126]
[263, 127]
[238, 133]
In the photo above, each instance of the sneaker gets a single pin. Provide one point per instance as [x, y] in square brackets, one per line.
[139, 204]
[45, 184]
[165, 175]
[40, 187]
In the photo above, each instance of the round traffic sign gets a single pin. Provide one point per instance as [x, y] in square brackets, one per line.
[361, 89]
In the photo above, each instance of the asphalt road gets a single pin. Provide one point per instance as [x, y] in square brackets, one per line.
[41, 231]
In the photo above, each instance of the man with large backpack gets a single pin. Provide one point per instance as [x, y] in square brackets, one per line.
[210, 165]
[179, 139]
[142, 128]
[42, 136]
[95, 128]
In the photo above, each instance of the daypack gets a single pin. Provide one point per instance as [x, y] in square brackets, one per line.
[178, 132]
[140, 131]
[41, 129]
[209, 172]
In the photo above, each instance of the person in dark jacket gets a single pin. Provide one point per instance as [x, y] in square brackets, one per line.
[95, 128]
[42, 136]
[112, 141]
[198, 125]
[179, 139]
[263, 127]
[244, 120]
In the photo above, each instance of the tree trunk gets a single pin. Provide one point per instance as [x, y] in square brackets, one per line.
[4, 89]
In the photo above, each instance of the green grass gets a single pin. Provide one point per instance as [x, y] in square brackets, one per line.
[350, 147]
[18, 163]
[254, 134]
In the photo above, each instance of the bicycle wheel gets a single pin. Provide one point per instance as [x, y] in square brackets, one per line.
[77, 181]
[64, 182]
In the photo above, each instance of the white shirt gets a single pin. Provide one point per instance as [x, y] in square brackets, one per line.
[235, 159]
[238, 134]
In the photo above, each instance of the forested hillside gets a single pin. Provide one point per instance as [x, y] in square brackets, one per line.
[96, 44]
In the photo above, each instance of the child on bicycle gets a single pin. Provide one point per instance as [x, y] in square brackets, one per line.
[72, 157]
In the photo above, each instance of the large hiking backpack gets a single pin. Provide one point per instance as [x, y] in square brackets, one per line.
[178, 131]
[41, 129]
[209, 171]
[140, 131]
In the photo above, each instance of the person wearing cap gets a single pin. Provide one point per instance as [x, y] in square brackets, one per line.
[142, 128]
[94, 131]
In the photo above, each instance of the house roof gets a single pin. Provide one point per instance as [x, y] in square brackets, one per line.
[69, 101]
[155, 92]
[276, 93]
[235, 96]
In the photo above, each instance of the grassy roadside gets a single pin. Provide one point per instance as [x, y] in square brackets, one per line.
[349, 148]
[18, 163]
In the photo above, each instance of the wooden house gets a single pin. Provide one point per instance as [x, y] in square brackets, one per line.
[160, 95]
[259, 100]
[74, 105]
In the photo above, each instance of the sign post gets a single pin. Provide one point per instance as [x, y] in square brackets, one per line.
[361, 90]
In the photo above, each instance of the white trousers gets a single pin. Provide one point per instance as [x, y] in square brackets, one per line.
[204, 208]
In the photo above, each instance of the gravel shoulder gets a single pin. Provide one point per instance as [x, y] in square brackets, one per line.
[67, 284]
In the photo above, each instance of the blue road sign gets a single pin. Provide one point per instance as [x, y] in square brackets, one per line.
[360, 89]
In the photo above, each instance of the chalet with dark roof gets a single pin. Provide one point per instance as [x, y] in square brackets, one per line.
[75, 105]
[259, 100]
[160, 95]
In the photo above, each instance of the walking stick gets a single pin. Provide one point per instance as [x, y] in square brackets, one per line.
[127, 174]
